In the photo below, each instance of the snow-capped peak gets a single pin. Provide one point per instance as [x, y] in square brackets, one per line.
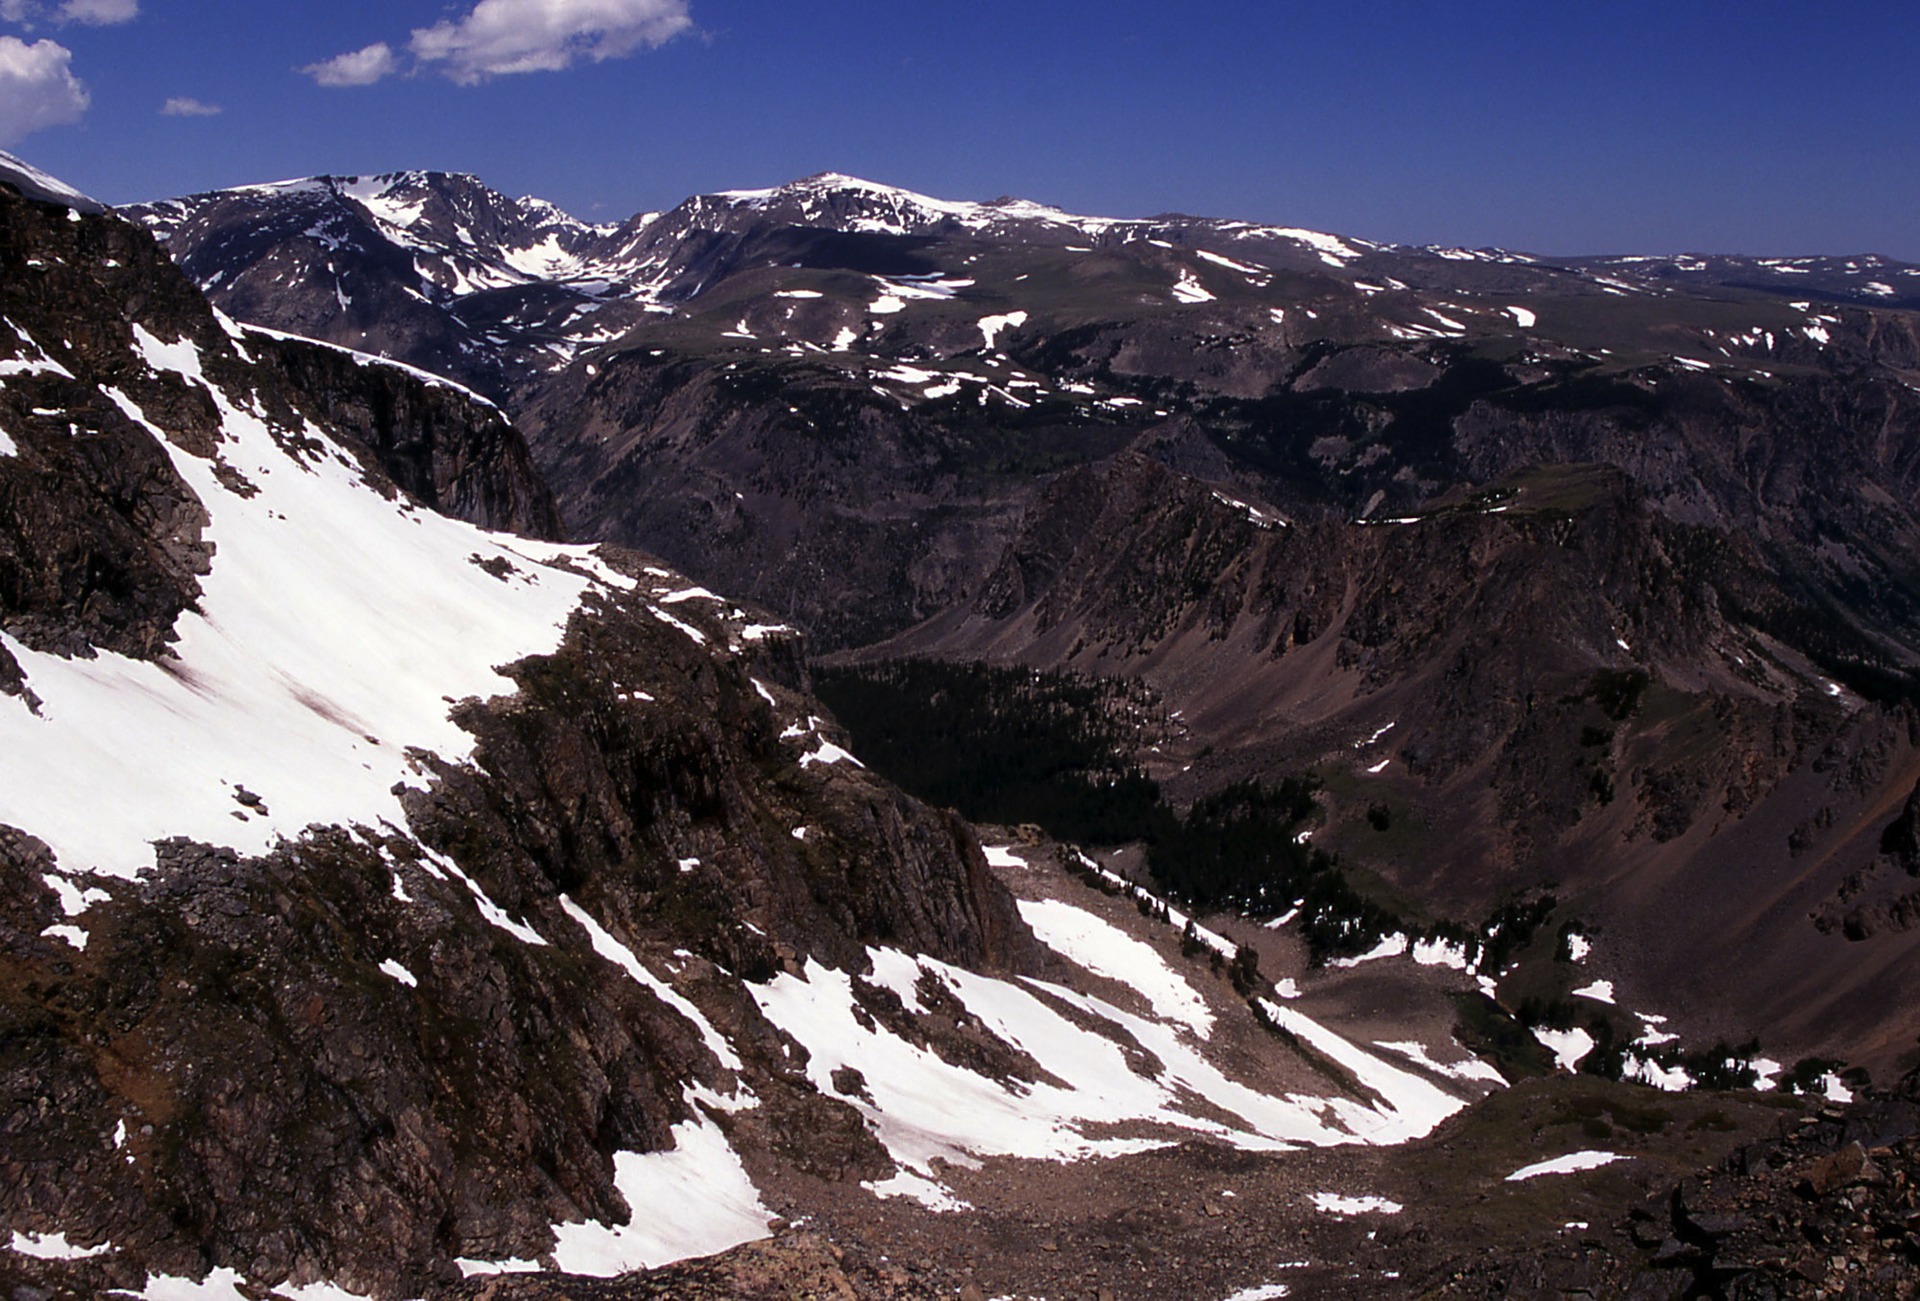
[863, 205]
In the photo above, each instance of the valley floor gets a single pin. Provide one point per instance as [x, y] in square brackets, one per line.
[1205, 1221]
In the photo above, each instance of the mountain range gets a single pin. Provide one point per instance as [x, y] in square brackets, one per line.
[402, 901]
[1305, 487]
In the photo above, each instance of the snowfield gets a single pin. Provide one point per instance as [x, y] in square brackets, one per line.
[922, 1107]
[692, 1200]
[335, 632]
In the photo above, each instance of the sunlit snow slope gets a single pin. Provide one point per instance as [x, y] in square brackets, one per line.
[333, 632]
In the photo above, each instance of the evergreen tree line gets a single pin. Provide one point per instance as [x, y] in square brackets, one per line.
[1004, 745]
[1014, 745]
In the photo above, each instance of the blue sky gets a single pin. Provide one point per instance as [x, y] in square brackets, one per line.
[1556, 126]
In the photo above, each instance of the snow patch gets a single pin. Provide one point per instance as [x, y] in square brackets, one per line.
[222, 1284]
[1568, 1047]
[1410, 1106]
[1441, 953]
[692, 1200]
[1188, 289]
[1106, 950]
[34, 361]
[484, 1268]
[1668, 1079]
[317, 1292]
[1391, 946]
[829, 753]
[932, 1195]
[1378, 733]
[54, 1246]
[1338, 1204]
[1471, 1069]
[1572, 1163]
[1333, 250]
[1227, 262]
[991, 326]
[71, 934]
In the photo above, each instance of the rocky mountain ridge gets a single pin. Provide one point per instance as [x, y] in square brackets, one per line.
[441, 271]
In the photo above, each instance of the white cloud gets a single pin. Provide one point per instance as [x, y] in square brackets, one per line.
[498, 37]
[187, 106]
[359, 68]
[98, 13]
[505, 36]
[37, 88]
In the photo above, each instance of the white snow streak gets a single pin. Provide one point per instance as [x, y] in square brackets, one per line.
[623, 957]
[1106, 950]
[1572, 1163]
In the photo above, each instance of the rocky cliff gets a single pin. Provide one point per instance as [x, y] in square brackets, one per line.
[450, 449]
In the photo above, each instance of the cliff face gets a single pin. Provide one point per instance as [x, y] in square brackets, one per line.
[834, 506]
[371, 1051]
[99, 539]
[450, 449]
